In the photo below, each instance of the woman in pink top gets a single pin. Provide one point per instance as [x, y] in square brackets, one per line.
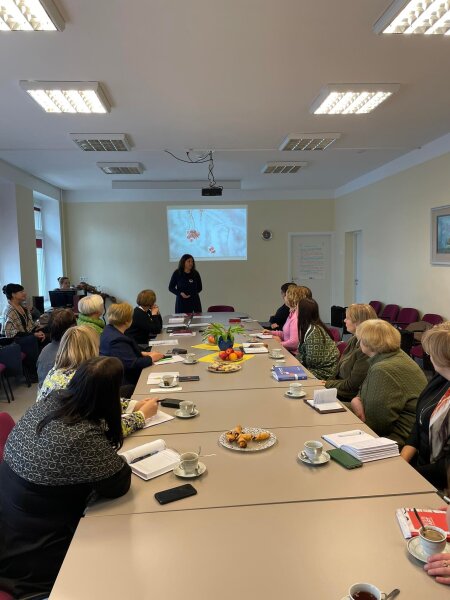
[289, 333]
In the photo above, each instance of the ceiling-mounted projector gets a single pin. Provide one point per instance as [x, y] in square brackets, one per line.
[212, 191]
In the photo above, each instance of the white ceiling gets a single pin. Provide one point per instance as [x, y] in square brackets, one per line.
[236, 76]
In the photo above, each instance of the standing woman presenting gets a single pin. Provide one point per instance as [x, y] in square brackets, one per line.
[186, 284]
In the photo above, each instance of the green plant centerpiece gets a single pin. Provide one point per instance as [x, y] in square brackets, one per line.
[223, 337]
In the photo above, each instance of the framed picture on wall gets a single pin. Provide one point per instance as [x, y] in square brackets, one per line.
[440, 235]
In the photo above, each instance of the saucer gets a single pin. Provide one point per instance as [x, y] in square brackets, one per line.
[415, 549]
[281, 357]
[181, 415]
[180, 473]
[295, 396]
[162, 385]
[192, 362]
[323, 459]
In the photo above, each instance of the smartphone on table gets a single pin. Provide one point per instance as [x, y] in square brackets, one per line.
[176, 493]
[170, 403]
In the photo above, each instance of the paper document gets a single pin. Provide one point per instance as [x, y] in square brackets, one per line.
[362, 445]
[325, 401]
[168, 390]
[163, 343]
[199, 325]
[178, 315]
[179, 334]
[254, 348]
[160, 417]
[152, 459]
[176, 320]
[264, 336]
[176, 358]
[203, 317]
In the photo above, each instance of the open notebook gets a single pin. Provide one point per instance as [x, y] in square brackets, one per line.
[254, 348]
[362, 445]
[325, 401]
[152, 459]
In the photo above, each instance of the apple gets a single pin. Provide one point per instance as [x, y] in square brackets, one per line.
[223, 355]
[239, 354]
[211, 339]
[229, 350]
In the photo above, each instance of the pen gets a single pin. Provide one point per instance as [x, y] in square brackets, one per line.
[135, 460]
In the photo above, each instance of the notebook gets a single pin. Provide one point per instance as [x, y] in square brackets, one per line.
[152, 459]
[362, 445]
[325, 401]
[289, 373]
[255, 348]
[410, 525]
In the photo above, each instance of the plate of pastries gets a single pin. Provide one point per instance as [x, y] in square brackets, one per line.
[247, 439]
[224, 367]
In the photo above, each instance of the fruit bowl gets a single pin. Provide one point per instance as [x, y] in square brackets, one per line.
[236, 354]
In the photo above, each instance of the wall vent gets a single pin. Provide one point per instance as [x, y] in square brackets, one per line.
[116, 168]
[101, 142]
[308, 141]
[283, 168]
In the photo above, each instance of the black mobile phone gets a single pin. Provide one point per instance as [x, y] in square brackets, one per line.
[184, 378]
[344, 458]
[170, 403]
[179, 351]
[176, 493]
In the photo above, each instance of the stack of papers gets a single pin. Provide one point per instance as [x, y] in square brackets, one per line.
[169, 360]
[264, 336]
[254, 348]
[152, 459]
[325, 401]
[363, 446]
[163, 343]
[181, 333]
[176, 320]
[160, 417]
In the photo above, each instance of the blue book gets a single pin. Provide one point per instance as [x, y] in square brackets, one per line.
[289, 373]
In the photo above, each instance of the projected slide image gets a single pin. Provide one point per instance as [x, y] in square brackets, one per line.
[208, 233]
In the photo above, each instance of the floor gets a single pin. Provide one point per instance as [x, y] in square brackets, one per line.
[24, 398]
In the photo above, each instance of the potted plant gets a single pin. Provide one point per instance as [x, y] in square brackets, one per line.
[223, 337]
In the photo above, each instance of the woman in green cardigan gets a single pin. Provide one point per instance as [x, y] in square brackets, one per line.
[353, 365]
[388, 396]
[90, 309]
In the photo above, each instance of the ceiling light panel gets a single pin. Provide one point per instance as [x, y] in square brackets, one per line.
[296, 142]
[427, 17]
[68, 97]
[30, 15]
[283, 168]
[102, 142]
[115, 168]
[352, 98]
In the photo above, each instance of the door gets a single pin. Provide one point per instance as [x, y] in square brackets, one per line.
[310, 265]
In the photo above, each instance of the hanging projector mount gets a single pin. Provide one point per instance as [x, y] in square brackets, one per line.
[213, 189]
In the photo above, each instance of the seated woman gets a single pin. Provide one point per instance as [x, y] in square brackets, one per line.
[79, 344]
[428, 446]
[289, 334]
[317, 350]
[64, 283]
[45, 486]
[352, 367]
[18, 324]
[114, 342]
[90, 309]
[147, 321]
[278, 320]
[60, 321]
[388, 396]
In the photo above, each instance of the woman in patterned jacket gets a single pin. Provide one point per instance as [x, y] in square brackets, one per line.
[77, 345]
[61, 453]
[317, 350]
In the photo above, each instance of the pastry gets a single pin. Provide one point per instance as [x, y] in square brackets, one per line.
[260, 437]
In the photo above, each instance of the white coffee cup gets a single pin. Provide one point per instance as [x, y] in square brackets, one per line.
[313, 450]
[295, 389]
[169, 381]
[365, 587]
[187, 407]
[189, 462]
[277, 353]
[190, 357]
[433, 546]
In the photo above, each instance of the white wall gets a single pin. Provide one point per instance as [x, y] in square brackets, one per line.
[124, 248]
[394, 217]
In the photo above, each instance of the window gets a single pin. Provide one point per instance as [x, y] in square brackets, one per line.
[40, 257]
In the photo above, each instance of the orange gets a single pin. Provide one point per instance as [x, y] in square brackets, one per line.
[233, 356]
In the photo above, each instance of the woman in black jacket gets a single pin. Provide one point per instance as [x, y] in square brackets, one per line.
[428, 446]
[186, 284]
[61, 453]
[147, 321]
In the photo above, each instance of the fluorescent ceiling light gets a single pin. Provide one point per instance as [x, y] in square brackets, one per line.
[297, 142]
[71, 97]
[117, 168]
[30, 15]
[429, 17]
[351, 98]
[102, 142]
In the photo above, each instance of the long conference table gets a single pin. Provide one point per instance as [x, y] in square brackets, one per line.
[262, 523]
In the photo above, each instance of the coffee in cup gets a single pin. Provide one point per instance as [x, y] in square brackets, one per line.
[189, 463]
[187, 407]
[313, 450]
[295, 389]
[432, 539]
[169, 381]
[277, 353]
[364, 591]
[190, 357]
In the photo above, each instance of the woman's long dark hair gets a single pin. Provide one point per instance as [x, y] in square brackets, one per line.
[92, 395]
[183, 260]
[308, 314]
